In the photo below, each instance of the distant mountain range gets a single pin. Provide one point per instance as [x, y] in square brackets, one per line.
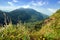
[24, 15]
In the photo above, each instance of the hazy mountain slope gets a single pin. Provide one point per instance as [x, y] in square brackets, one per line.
[24, 15]
[51, 29]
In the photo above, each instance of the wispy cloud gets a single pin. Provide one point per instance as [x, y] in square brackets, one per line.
[58, 2]
[15, 0]
[52, 10]
[7, 8]
[40, 3]
[24, 6]
[30, 4]
[10, 3]
[10, 8]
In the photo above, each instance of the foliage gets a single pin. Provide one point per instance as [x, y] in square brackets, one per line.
[40, 30]
[18, 32]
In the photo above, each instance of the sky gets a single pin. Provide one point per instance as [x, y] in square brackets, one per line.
[47, 7]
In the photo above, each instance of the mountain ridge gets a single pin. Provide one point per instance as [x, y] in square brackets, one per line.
[25, 15]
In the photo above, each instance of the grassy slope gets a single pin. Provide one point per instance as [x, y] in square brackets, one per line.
[51, 30]
[18, 32]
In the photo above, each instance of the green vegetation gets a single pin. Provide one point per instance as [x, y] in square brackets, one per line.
[51, 30]
[18, 32]
[48, 29]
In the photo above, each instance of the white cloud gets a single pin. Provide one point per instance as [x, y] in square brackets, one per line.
[10, 8]
[15, 0]
[59, 2]
[40, 3]
[24, 6]
[52, 10]
[10, 3]
[33, 3]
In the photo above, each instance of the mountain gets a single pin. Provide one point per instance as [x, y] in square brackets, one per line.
[51, 27]
[24, 15]
[1, 17]
[27, 15]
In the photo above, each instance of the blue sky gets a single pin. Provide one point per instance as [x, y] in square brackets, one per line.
[44, 6]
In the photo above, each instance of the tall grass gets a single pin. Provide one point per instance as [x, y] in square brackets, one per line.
[19, 32]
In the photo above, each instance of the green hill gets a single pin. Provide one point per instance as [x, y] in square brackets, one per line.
[22, 14]
[27, 15]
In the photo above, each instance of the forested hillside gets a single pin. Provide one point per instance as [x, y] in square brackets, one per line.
[23, 15]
